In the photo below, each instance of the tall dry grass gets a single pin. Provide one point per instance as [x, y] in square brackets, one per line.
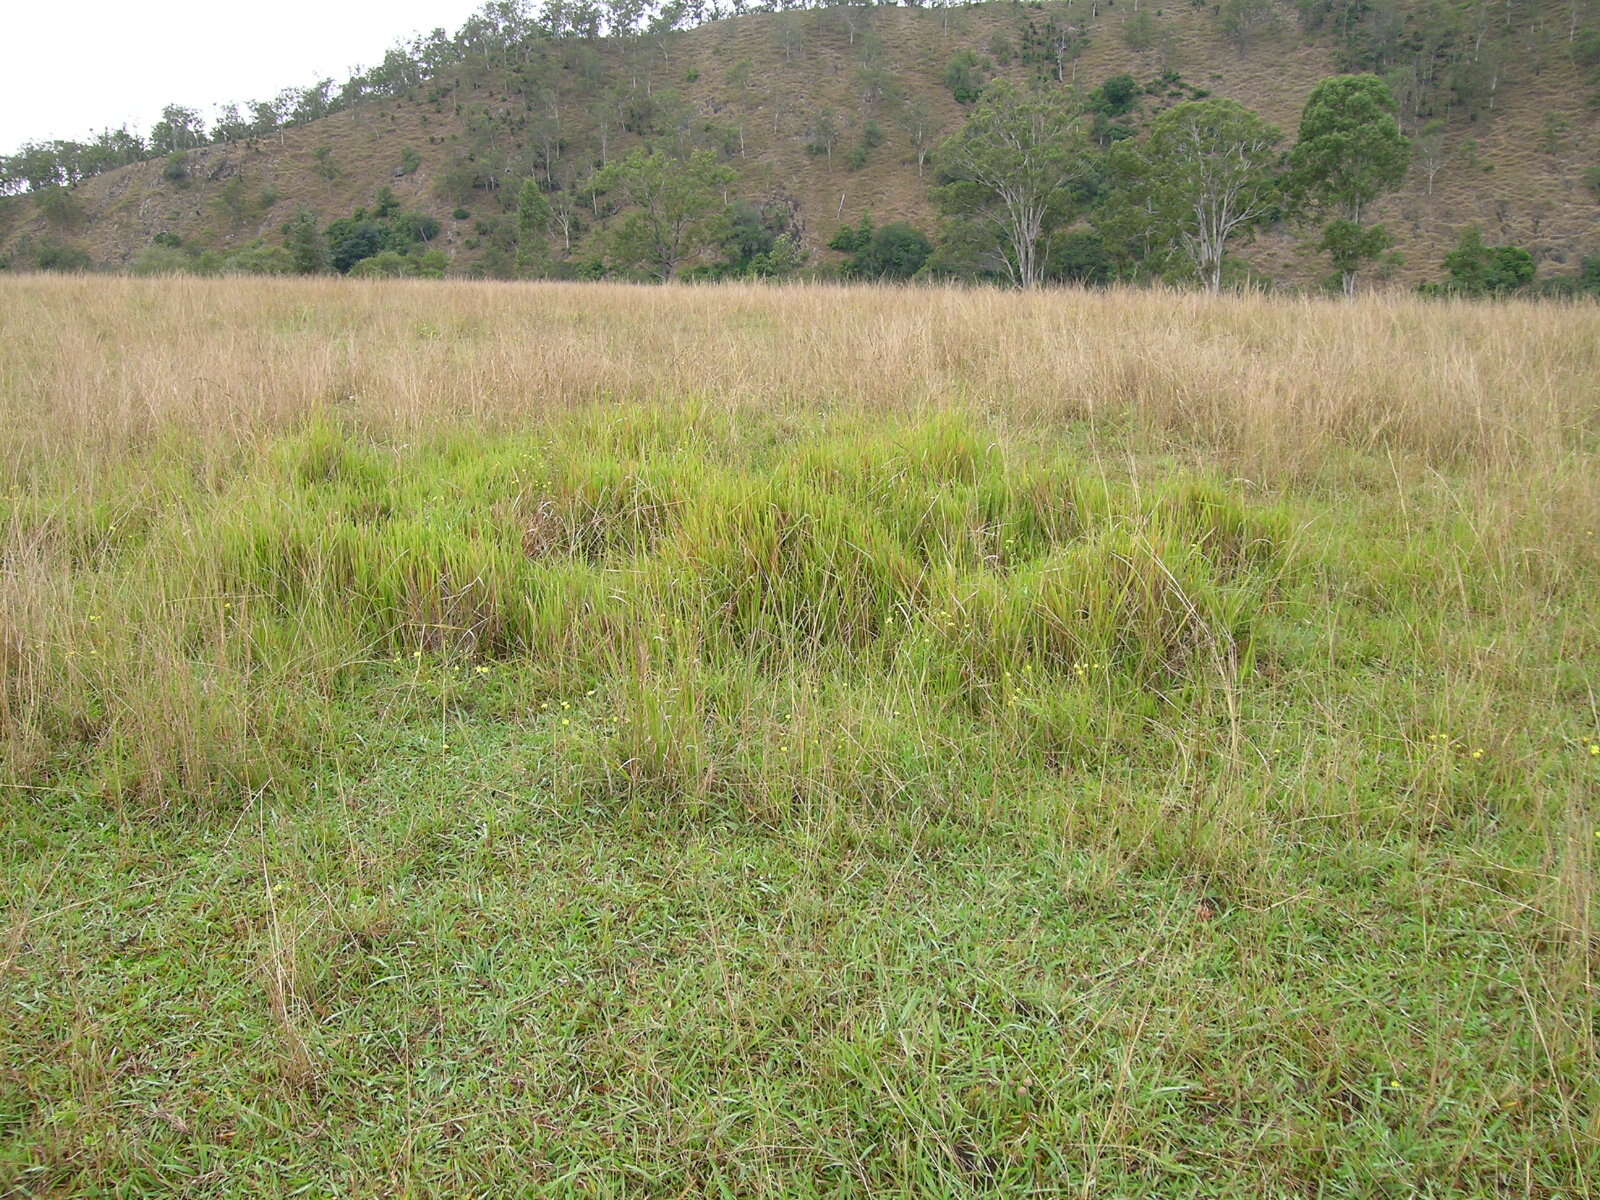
[90, 367]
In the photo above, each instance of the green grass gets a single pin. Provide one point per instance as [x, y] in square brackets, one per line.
[668, 801]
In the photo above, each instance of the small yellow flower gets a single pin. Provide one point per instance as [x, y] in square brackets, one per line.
[482, 670]
[1477, 753]
[1594, 750]
[416, 654]
[1396, 1086]
[564, 721]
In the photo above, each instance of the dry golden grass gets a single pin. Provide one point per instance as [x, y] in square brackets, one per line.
[92, 366]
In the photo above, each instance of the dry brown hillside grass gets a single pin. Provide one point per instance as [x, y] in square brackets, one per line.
[1523, 184]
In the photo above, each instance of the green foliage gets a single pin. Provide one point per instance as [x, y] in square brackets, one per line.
[1115, 97]
[61, 256]
[1139, 31]
[323, 164]
[965, 76]
[822, 133]
[1350, 152]
[1350, 149]
[307, 245]
[1242, 20]
[1205, 178]
[673, 209]
[410, 160]
[533, 230]
[260, 259]
[1586, 48]
[1051, 46]
[60, 207]
[239, 202]
[176, 170]
[1477, 269]
[1013, 170]
[759, 243]
[1352, 246]
[392, 264]
[162, 260]
[384, 229]
[1081, 257]
[894, 252]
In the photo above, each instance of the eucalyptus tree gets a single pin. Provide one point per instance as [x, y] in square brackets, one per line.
[1207, 177]
[1014, 169]
[1350, 151]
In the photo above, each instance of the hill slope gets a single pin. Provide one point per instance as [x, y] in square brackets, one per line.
[764, 89]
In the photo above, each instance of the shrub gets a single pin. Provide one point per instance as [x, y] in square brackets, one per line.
[59, 256]
[895, 252]
[1079, 258]
[965, 77]
[161, 260]
[1477, 269]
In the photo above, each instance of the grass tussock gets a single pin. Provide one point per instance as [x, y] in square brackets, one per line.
[640, 742]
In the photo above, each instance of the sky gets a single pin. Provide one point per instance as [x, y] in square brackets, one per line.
[72, 69]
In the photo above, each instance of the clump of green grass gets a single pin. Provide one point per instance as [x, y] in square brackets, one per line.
[921, 559]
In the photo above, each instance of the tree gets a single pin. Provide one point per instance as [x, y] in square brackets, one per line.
[305, 243]
[1207, 176]
[1350, 152]
[1013, 168]
[533, 230]
[677, 209]
[1349, 244]
[179, 129]
[1430, 150]
[1477, 269]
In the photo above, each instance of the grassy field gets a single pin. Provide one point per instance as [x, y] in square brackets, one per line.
[526, 740]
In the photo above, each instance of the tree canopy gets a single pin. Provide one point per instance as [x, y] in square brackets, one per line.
[1013, 167]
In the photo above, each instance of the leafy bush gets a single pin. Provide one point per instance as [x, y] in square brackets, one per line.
[60, 256]
[895, 252]
[1079, 258]
[1477, 269]
[965, 77]
[259, 259]
[161, 260]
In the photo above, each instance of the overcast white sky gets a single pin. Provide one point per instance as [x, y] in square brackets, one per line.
[70, 69]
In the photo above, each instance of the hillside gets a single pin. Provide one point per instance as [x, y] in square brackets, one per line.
[762, 89]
